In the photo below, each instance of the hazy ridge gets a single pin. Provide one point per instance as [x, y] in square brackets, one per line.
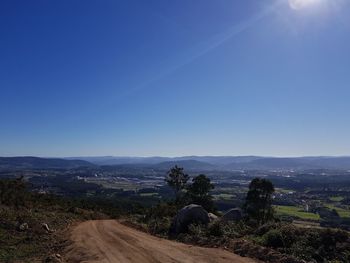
[225, 163]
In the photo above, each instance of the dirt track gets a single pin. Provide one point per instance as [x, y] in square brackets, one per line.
[109, 241]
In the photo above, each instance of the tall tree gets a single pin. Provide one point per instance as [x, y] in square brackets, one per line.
[258, 204]
[177, 179]
[199, 192]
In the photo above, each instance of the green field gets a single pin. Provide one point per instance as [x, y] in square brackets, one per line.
[283, 190]
[148, 194]
[295, 212]
[344, 213]
[336, 198]
[223, 196]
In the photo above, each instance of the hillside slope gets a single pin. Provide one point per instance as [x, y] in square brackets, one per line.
[110, 241]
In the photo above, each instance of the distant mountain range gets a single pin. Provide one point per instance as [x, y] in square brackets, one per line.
[212, 160]
[228, 162]
[200, 163]
[41, 163]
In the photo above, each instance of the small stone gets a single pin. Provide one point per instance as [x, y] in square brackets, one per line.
[53, 259]
[23, 227]
[46, 227]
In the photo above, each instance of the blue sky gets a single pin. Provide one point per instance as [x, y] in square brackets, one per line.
[171, 78]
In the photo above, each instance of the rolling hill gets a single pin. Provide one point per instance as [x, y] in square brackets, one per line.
[29, 162]
[228, 162]
[198, 163]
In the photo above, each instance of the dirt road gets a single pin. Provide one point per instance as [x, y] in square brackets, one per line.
[109, 241]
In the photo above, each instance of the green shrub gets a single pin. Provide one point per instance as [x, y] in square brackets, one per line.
[197, 230]
[273, 238]
[13, 192]
[307, 244]
[159, 227]
[216, 229]
[266, 228]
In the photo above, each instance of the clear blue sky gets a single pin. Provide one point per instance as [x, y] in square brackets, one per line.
[170, 78]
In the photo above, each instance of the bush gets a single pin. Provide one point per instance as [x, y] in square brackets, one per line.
[273, 238]
[161, 211]
[307, 244]
[158, 218]
[159, 227]
[216, 229]
[266, 228]
[13, 192]
[197, 230]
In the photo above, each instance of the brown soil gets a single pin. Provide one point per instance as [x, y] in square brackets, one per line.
[109, 241]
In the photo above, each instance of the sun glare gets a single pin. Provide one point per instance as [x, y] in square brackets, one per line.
[300, 4]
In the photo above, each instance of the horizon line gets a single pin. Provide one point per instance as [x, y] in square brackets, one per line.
[173, 157]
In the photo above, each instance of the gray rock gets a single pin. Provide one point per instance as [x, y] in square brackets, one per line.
[188, 215]
[46, 227]
[234, 214]
[23, 227]
[55, 258]
[212, 217]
